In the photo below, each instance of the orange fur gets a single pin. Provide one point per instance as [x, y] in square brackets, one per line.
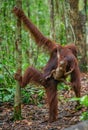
[67, 54]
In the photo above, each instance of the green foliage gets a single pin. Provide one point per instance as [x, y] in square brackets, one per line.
[42, 60]
[62, 86]
[62, 34]
[6, 94]
[83, 102]
[6, 81]
[81, 5]
[84, 116]
[32, 95]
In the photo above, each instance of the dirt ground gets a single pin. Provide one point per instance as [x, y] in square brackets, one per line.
[35, 117]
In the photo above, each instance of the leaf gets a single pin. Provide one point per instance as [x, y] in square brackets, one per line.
[75, 99]
[7, 98]
[84, 100]
[84, 116]
[1, 77]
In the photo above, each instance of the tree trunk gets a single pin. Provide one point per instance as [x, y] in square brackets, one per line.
[86, 5]
[78, 21]
[17, 100]
[52, 19]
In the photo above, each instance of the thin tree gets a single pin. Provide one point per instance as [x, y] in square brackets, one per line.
[51, 2]
[18, 44]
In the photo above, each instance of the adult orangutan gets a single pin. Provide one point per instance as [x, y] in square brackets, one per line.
[62, 62]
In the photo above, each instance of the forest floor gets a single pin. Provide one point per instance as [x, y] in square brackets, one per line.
[34, 117]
